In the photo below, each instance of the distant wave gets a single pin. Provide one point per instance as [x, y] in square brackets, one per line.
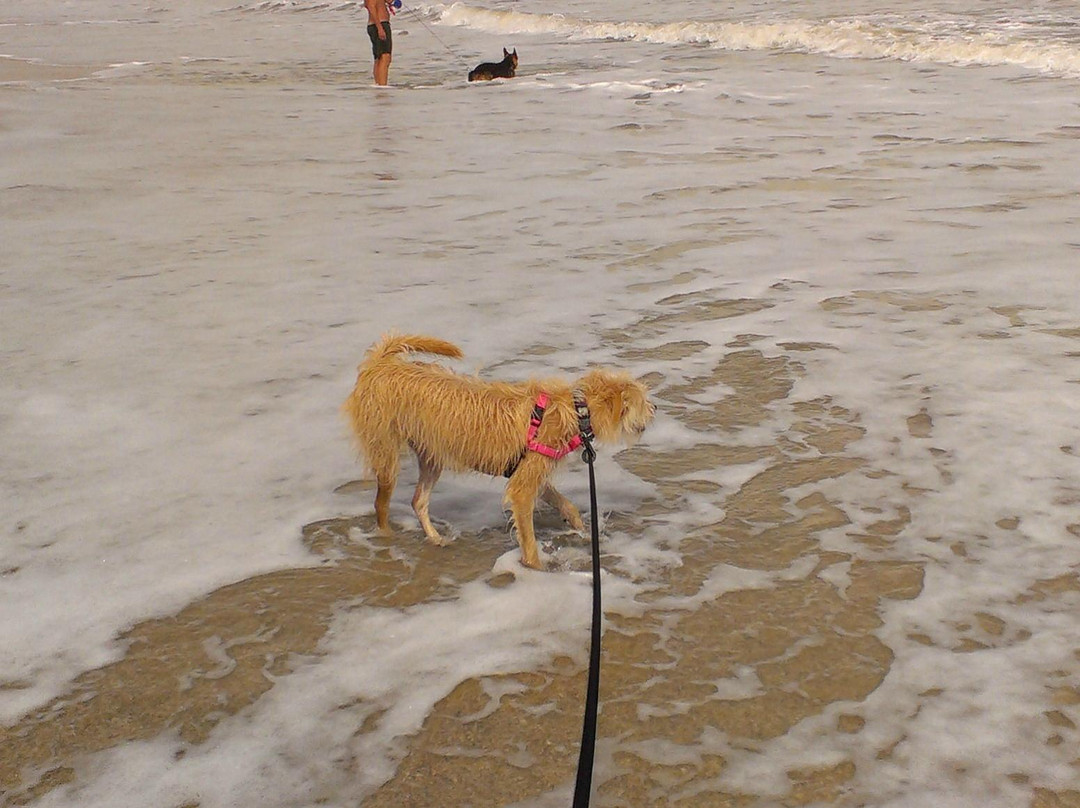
[298, 6]
[856, 39]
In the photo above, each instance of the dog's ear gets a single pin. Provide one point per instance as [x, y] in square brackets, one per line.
[506, 52]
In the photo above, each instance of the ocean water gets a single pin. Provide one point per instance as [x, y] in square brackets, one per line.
[839, 241]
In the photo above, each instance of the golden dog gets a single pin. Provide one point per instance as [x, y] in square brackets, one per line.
[463, 423]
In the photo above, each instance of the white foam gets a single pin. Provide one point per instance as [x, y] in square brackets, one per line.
[180, 325]
[846, 38]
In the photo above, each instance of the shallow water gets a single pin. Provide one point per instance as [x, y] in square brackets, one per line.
[841, 568]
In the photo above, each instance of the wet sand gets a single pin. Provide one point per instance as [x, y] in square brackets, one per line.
[808, 645]
[22, 70]
[742, 668]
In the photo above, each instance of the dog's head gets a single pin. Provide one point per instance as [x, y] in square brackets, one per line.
[618, 405]
[511, 57]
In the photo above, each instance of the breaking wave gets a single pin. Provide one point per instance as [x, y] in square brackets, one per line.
[940, 42]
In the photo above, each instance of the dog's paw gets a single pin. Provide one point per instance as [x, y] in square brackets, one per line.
[435, 537]
[534, 563]
[565, 557]
[447, 537]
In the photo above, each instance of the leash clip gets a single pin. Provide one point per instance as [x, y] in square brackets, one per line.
[588, 454]
[584, 427]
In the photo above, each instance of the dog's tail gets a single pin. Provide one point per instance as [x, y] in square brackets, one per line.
[394, 344]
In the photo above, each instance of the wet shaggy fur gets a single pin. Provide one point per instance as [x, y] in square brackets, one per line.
[487, 71]
[463, 423]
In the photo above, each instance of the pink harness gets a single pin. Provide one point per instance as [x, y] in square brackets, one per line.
[531, 443]
[583, 438]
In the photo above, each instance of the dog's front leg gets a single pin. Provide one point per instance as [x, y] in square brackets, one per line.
[567, 510]
[529, 479]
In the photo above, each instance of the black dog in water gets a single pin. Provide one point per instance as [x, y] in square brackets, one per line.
[496, 70]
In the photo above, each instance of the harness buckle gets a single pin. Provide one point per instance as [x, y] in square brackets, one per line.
[583, 417]
[584, 427]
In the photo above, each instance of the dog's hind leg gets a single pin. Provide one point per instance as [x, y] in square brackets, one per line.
[385, 477]
[382, 500]
[429, 475]
[569, 512]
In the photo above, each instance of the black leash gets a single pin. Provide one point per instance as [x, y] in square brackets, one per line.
[583, 787]
[416, 16]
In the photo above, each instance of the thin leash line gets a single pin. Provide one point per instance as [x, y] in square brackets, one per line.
[583, 786]
[419, 19]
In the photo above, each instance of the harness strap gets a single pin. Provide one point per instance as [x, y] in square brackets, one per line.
[532, 445]
[555, 453]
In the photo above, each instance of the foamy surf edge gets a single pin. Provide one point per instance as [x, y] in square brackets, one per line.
[853, 38]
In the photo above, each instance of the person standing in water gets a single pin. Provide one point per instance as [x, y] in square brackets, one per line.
[378, 29]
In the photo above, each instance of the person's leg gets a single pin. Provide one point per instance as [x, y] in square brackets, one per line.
[382, 70]
[383, 48]
[380, 51]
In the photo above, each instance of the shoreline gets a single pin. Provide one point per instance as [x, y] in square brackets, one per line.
[852, 529]
[14, 70]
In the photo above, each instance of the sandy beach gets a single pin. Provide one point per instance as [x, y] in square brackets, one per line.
[21, 70]
[841, 569]
[186, 672]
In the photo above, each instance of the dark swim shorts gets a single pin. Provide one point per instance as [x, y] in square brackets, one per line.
[380, 46]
